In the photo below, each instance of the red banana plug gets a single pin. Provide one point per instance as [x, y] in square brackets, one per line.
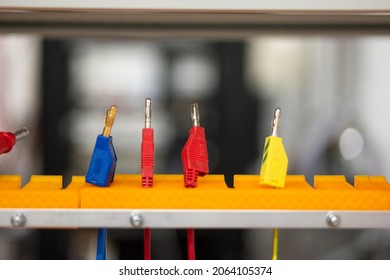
[194, 154]
[147, 147]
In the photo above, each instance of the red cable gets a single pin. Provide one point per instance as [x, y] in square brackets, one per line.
[191, 243]
[147, 244]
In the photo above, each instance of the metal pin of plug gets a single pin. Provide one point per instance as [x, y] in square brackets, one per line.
[195, 114]
[148, 113]
[21, 133]
[276, 121]
[109, 121]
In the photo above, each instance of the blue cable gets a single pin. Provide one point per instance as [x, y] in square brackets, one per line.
[101, 244]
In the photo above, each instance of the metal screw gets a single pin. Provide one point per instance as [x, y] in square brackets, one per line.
[333, 220]
[136, 219]
[18, 220]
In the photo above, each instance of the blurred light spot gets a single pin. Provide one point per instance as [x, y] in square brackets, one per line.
[194, 76]
[351, 143]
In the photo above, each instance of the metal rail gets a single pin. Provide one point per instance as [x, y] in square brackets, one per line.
[133, 218]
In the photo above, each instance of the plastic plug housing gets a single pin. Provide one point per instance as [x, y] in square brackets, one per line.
[275, 161]
[147, 148]
[194, 154]
[147, 157]
[101, 170]
[102, 167]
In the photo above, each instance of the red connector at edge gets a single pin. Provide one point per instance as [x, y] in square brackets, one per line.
[194, 154]
[8, 139]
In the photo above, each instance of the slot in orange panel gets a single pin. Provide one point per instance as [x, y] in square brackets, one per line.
[41, 192]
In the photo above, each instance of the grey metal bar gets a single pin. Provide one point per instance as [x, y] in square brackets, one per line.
[139, 218]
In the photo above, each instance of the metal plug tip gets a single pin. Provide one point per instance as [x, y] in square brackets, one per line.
[276, 121]
[112, 111]
[109, 120]
[21, 133]
[148, 113]
[110, 116]
[195, 114]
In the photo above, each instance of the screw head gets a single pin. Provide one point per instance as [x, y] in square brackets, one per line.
[333, 219]
[136, 219]
[18, 220]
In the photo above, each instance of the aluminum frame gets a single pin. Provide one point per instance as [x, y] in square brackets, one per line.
[156, 218]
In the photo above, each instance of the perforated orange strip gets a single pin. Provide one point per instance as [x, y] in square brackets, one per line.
[168, 192]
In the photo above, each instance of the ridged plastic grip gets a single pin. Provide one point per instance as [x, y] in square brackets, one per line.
[103, 163]
[195, 157]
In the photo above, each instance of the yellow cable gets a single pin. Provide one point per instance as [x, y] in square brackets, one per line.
[275, 245]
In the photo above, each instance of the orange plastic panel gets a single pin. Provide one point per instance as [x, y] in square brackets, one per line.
[168, 192]
[40, 192]
[8, 185]
[295, 195]
[335, 191]
[330, 193]
[374, 184]
[10, 182]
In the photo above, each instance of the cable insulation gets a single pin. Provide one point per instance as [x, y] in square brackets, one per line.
[101, 252]
[275, 245]
[147, 244]
[191, 243]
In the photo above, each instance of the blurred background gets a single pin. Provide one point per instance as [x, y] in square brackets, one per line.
[333, 92]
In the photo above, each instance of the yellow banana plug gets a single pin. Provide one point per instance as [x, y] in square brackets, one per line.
[274, 163]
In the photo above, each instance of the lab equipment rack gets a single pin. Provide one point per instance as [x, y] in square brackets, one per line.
[196, 19]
